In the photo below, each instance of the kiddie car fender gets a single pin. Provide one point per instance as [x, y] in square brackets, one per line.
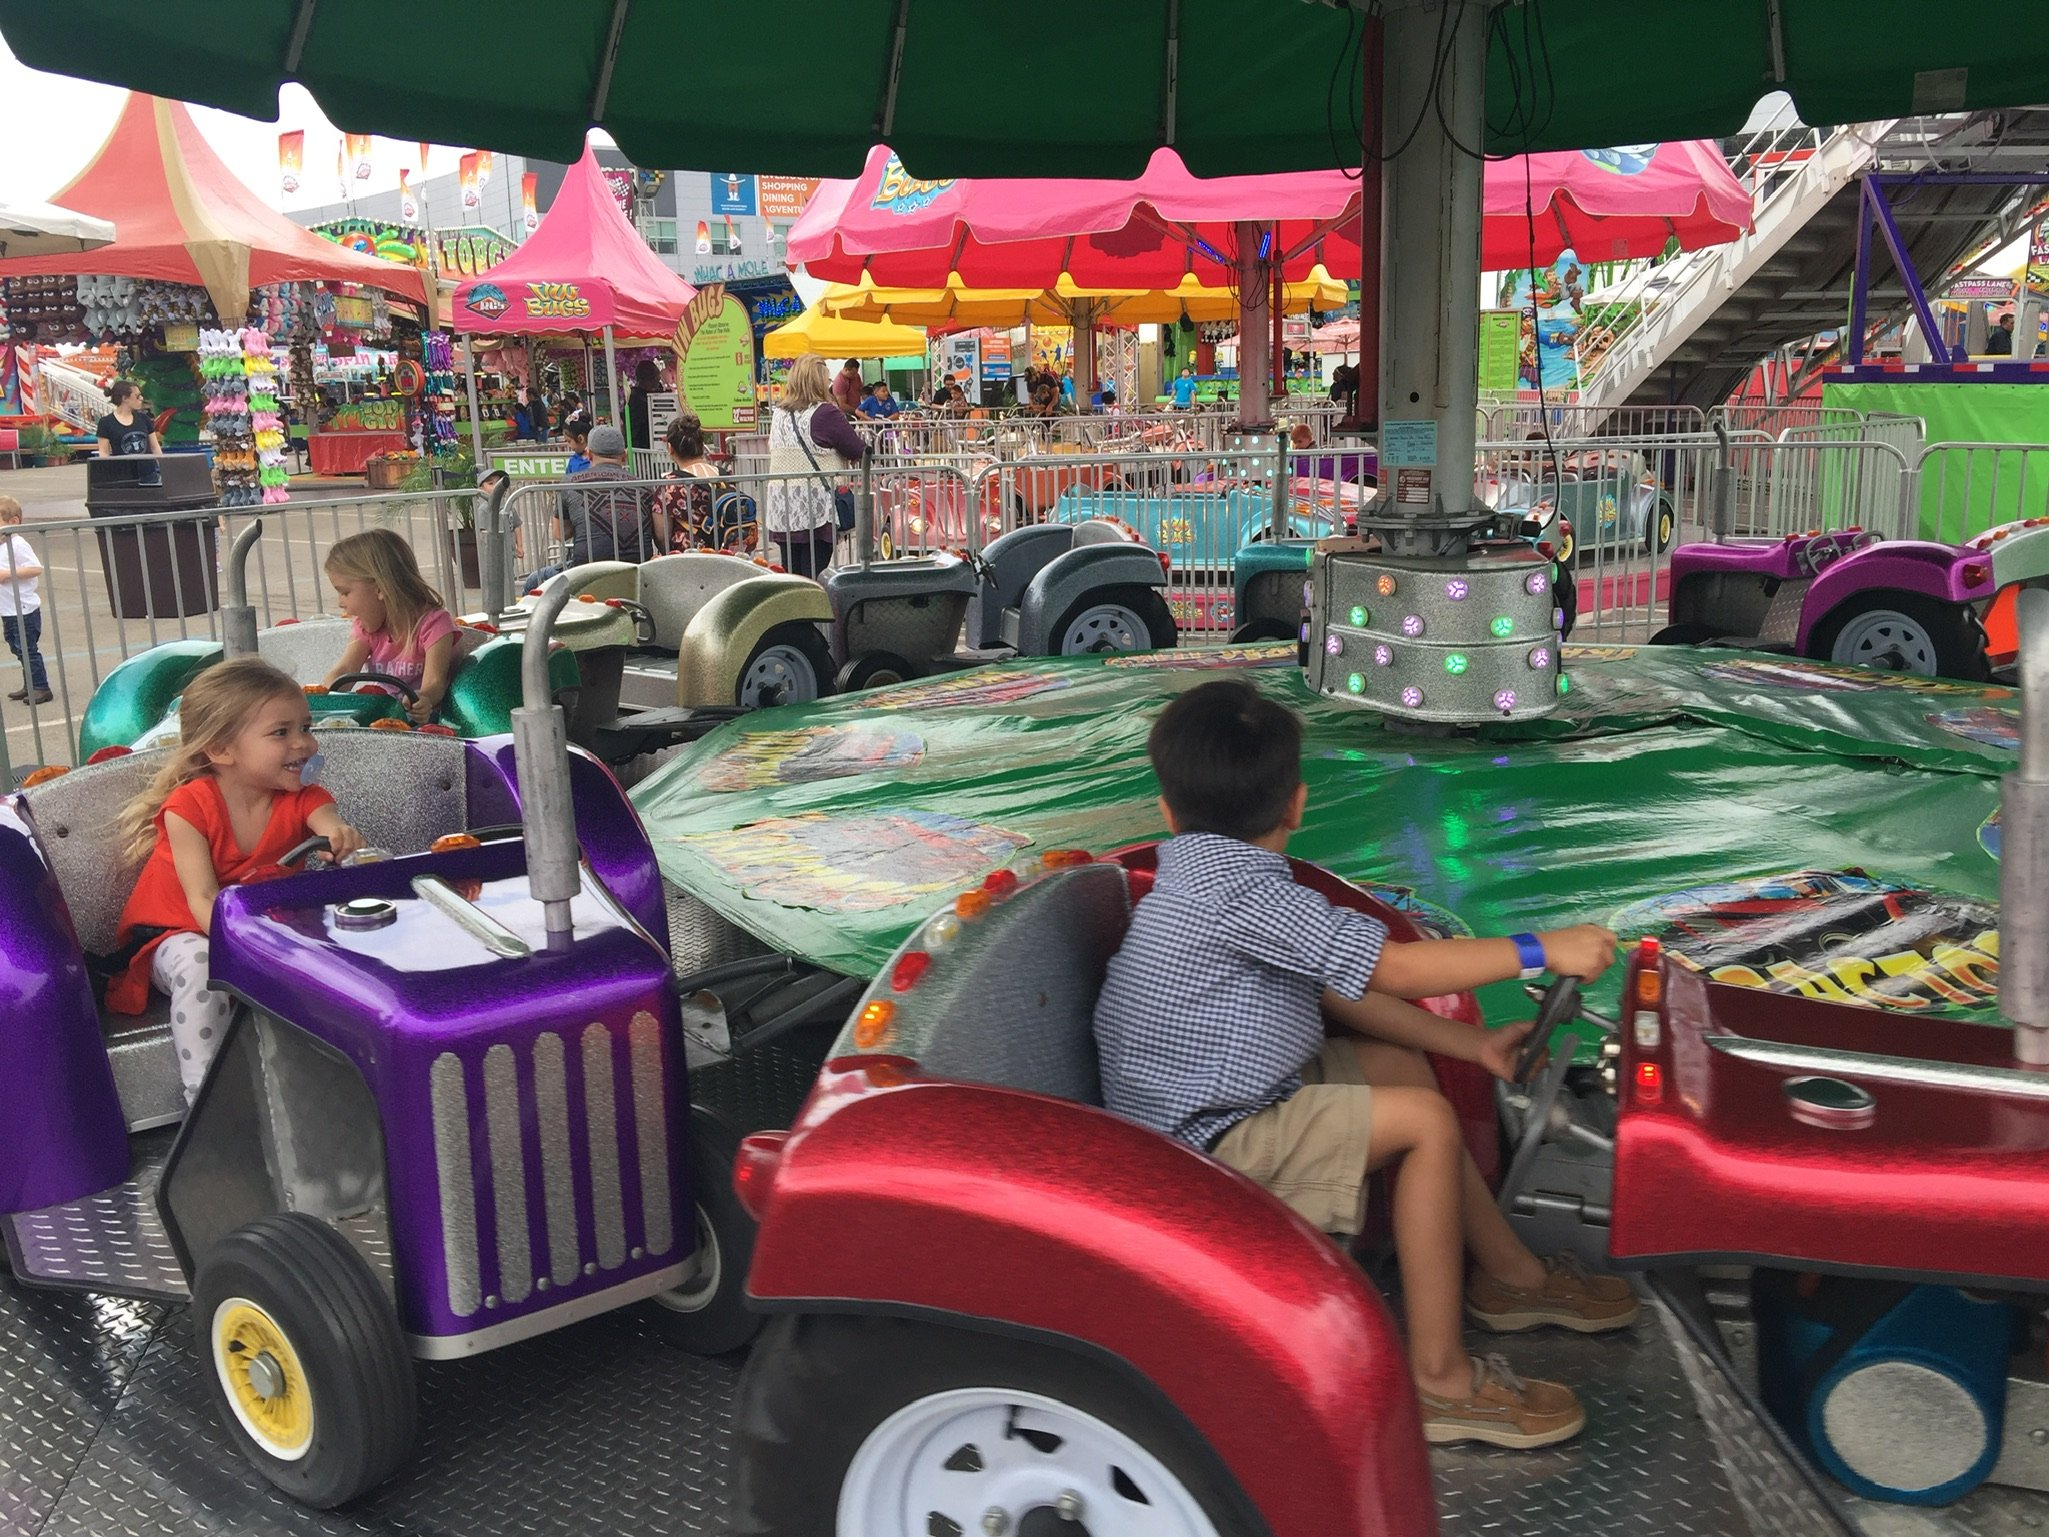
[1067, 578]
[1916, 566]
[484, 690]
[140, 691]
[1017, 1212]
[722, 634]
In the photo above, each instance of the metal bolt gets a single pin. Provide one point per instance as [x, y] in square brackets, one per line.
[491, 1301]
[995, 1522]
[2039, 1436]
[590, 1267]
[543, 1284]
[638, 1252]
[1068, 1506]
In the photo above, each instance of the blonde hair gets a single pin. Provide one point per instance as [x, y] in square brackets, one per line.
[216, 706]
[808, 385]
[10, 510]
[378, 555]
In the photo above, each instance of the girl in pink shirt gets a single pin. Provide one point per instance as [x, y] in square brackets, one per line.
[400, 627]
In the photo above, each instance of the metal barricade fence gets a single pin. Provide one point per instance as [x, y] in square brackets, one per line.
[1568, 419]
[1773, 419]
[1821, 477]
[113, 587]
[1964, 489]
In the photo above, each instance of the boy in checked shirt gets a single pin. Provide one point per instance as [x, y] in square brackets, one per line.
[1212, 1028]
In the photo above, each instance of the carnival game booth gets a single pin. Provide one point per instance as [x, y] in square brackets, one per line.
[196, 258]
[584, 272]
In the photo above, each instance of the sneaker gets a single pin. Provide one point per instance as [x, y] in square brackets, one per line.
[1504, 1410]
[1572, 1297]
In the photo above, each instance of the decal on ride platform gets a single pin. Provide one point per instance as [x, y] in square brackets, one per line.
[1596, 653]
[857, 864]
[1988, 834]
[1828, 678]
[962, 689]
[762, 759]
[1844, 936]
[1280, 654]
[1981, 723]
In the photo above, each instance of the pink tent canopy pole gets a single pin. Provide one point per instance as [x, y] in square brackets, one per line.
[1605, 205]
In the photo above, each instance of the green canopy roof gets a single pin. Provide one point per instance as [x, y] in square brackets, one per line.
[1055, 87]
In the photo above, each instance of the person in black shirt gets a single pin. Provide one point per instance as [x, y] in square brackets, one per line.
[124, 430]
[647, 379]
[1999, 340]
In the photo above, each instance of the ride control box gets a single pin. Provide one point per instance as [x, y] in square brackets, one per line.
[1451, 639]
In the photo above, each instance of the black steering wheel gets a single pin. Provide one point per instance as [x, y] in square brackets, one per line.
[297, 853]
[347, 680]
[1560, 1003]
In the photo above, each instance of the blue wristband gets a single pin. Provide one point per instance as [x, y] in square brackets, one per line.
[1530, 950]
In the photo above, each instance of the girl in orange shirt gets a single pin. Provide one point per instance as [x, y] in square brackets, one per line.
[230, 799]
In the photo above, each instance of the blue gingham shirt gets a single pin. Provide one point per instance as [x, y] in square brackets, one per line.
[1214, 1002]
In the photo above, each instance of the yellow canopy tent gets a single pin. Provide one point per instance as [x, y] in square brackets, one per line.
[1065, 304]
[834, 336]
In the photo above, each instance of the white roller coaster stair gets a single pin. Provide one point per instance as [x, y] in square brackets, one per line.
[73, 394]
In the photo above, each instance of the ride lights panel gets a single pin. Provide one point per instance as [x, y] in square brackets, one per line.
[1458, 640]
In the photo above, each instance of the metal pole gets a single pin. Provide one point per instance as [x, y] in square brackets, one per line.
[1430, 285]
[540, 745]
[1253, 337]
[612, 384]
[469, 358]
[2024, 864]
[1372, 234]
[238, 615]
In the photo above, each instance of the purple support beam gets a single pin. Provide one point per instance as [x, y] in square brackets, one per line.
[1896, 243]
[1861, 289]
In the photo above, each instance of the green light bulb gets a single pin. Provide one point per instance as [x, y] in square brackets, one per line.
[1503, 626]
[1309, 558]
[1359, 615]
[1455, 663]
[1564, 684]
[1356, 683]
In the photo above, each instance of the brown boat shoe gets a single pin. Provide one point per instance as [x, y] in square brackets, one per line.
[1504, 1410]
[1572, 1297]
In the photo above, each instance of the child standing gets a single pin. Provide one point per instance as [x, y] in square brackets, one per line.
[21, 605]
[401, 628]
[1211, 1027]
[231, 798]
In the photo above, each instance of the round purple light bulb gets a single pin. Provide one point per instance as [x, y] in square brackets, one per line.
[1456, 589]
[1412, 626]
[1383, 656]
[1333, 644]
[1412, 696]
[1504, 700]
[1536, 582]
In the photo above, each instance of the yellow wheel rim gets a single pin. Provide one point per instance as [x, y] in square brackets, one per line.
[266, 1385]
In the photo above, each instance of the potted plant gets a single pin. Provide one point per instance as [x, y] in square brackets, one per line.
[40, 445]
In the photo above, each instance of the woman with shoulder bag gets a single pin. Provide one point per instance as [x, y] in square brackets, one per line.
[812, 447]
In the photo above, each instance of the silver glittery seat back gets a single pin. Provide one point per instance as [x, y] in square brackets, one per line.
[1010, 1000]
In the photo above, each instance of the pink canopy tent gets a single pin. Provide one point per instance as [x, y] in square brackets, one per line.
[181, 216]
[584, 271]
[1242, 230]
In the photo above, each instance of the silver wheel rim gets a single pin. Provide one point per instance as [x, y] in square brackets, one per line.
[1106, 627]
[695, 1295]
[779, 675]
[1887, 638]
[985, 1458]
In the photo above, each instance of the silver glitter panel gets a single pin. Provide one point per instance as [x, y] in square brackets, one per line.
[508, 1173]
[448, 1097]
[309, 650]
[1782, 620]
[145, 1063]
[558, 1176]
[651, 1132]
[700, 938]
[601, 1122]
[111, 1242]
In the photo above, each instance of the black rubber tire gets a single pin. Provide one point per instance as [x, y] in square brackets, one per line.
[1144, 603]
[1953, 631]
[816, 1386]
[1660, 527]
[873, 669]
[1261, 631]
[800, 635]
[1684, 635]
[722, 1321]
[322, 1294]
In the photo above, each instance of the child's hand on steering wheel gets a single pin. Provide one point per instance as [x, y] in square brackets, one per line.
[342, 841]
[1499, 1049]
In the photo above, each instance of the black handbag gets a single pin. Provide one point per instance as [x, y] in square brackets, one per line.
[842, 498]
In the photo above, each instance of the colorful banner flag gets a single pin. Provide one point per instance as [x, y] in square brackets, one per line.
[703, 238]
[341, 172]
[359, 155]
[486, 163]
[472, 197]
[408, 203]
[423, 157]
[291, 159]
[529, 190]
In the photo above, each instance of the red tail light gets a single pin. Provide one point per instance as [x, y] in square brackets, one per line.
[1976, 573]
[1166, 564]
[754, 1170]
[1650, 1085]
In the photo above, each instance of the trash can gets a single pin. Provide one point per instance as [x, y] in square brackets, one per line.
[165, 570]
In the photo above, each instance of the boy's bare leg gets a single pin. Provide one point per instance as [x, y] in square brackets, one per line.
[1495, 1247]
[1418, 1127]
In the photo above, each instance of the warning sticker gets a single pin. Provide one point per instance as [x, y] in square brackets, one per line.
[1412, 487]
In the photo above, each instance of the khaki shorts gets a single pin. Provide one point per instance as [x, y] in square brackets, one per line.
[1311, 1148]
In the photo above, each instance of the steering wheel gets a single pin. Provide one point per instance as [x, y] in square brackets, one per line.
[1561, 1002]
[348, 679]
[297, 853]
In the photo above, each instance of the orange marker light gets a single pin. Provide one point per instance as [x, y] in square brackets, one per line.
[586, 597]
[1060, 859]
[1650, 985]
[316, 689]
[872, 1024]
[391, 723]
[43, 776]
[971, 904]
[448, 843]
[1650, 1083]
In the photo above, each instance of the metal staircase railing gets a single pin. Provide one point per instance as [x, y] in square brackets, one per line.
[1793, 171]
[73, 395]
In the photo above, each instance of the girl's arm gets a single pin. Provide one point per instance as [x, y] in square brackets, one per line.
[193, 861]
[156, 442]
[353, 656]
[106, 448]
[342, 839]
[434, 680]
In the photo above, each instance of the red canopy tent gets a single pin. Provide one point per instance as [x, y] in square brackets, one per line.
[584, 271]
[181, 216]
